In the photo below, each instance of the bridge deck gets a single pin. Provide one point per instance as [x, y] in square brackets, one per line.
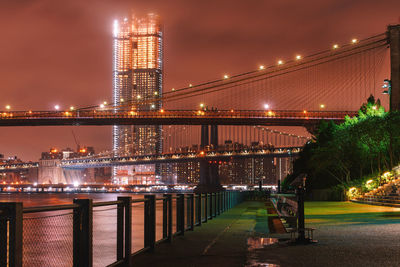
[182, 117]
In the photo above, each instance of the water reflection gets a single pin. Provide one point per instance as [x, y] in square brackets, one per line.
[260, 242]
[257, 243]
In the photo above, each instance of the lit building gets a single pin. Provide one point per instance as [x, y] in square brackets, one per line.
[188, 172]
[137, 85]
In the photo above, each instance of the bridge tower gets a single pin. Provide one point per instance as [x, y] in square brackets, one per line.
[209, 176]
[394, 42]
[204, 166]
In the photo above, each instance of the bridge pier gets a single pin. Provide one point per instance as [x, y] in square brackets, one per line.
[209, 175]
[394, 42]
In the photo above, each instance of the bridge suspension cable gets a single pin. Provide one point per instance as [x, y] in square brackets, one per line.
[303, 63]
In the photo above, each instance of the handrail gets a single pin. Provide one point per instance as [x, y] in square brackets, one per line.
[107, 203]
[49, 208]
[139, 200]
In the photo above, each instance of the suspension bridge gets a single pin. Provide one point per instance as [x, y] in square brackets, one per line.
[327, 85]
[215, 155]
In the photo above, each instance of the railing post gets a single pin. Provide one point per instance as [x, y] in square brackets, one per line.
[224, 201]
[180, 214]
[214, 204]
[165, 217]
[198, 209]
[187, 206]
[227, 200]
[120, 231]
[205, 207]
[191, 220]
[218, 203]
[150, 222]
[211, 206]
[124, 229]
[11, 214]
[169, 230]
[83, 233]
[3, 235]
[221, 203]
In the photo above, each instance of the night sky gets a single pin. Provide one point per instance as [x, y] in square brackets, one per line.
[60, 52]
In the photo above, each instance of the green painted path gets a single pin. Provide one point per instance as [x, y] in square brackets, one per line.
[222, 241]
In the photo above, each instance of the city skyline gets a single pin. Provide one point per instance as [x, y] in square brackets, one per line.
[187, 50]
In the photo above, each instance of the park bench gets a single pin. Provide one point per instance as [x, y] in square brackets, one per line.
[294, 232]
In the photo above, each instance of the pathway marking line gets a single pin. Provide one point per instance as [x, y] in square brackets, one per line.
[212, 243]
[216, 239]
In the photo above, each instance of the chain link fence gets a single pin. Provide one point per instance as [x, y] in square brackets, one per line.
[137, 226]
[48, 239]
[104, 235]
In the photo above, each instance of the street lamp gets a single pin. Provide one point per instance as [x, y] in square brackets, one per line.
[266, 106]
[387, 84]
[56, 107]
[8, 107]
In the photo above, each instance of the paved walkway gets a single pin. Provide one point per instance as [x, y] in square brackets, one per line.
[349, 234]
[222, 241]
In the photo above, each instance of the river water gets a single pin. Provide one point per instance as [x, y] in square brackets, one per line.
[47, 236]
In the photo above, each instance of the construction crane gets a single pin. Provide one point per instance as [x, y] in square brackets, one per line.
[78, 147]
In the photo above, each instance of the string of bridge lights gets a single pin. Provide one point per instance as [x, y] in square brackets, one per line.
[282, 133]
[263, 67]
[279, 62]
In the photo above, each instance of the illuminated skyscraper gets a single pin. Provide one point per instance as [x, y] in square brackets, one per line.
[137, 86]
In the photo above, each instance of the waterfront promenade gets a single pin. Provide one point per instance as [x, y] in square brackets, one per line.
[222, 241]
[348, 234]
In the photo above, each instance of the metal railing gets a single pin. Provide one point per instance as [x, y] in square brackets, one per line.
[25, 233]
[104, 114]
